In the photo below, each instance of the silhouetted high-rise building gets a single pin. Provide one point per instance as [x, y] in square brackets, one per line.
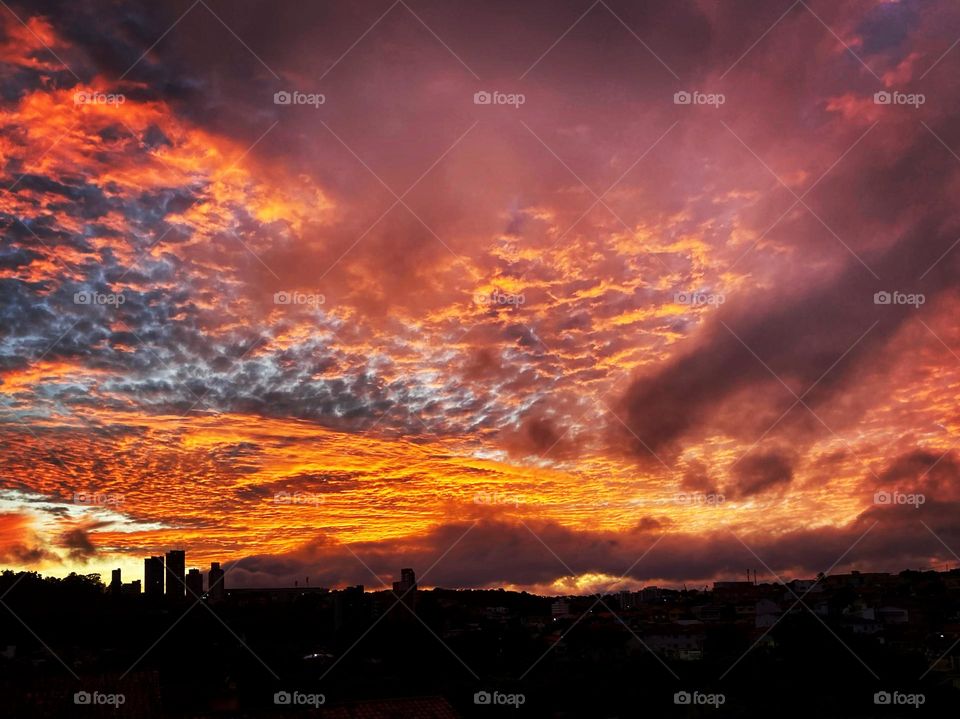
[153, 576]
[131, 588]
[176, 567]
[406, 591]
[116, 584]
[194, 584]
[407, 583]
[215, 582]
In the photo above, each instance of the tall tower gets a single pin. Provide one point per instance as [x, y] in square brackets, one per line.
[215, 582]
[153, 576]
[407, 583]
[176, 568]
[194, 584]
[406, 591]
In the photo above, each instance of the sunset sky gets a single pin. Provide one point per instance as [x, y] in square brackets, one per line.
[587, 335]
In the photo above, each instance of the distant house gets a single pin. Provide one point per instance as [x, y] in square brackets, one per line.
[893, 615]
[802, 585]
[745, 610]
[944, 654]
[860, 579]
[710, 612]
[733, 591]
[859, 625]
[560, 609]
[499, 613]
[821, 608]
[683, 643]
[766, 613]
[649, 594]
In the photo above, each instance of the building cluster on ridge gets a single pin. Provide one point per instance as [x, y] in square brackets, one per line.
[166, 576]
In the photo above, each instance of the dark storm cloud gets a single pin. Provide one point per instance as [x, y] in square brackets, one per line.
[78, 544]
[537, 435]
[23, 554]
[886, 26]
[494, 553]
[772, 337]
[696, 478]
[936, 475]
[758, 473]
